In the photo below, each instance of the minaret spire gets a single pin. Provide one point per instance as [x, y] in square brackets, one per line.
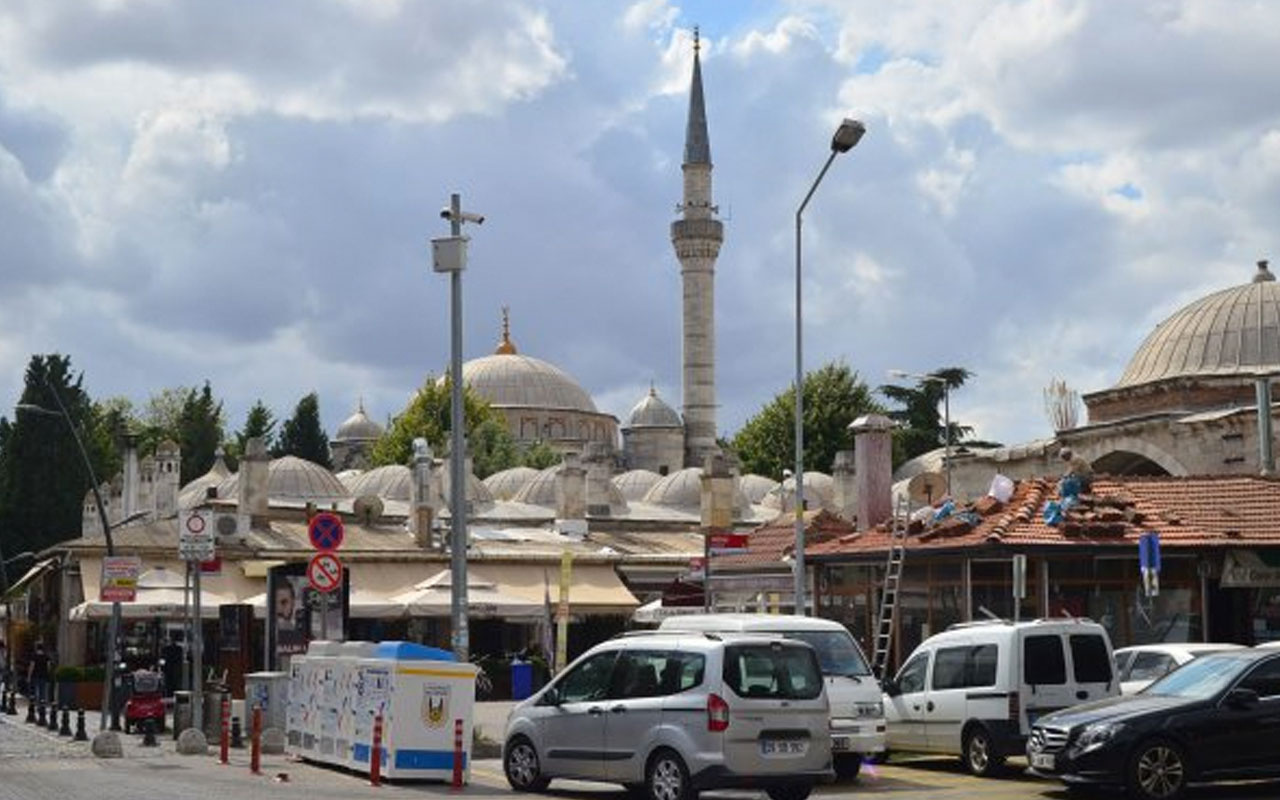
[697, 236]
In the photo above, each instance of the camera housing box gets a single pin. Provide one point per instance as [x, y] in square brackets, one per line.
[449, 254]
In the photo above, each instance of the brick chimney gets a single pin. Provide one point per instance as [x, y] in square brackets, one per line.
[717, 494]
[873, 469]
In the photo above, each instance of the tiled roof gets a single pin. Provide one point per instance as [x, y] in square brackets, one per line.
[773, 543]
[1216, 511]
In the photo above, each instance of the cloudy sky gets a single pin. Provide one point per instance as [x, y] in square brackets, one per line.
[244, 192]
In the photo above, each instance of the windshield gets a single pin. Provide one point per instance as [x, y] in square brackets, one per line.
[1199, 679]
[837, 652]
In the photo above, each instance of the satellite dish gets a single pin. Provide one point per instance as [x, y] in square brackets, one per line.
[367, 507]
[927, 487]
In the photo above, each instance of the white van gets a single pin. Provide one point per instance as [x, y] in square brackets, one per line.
[857, 713]
[976, 689]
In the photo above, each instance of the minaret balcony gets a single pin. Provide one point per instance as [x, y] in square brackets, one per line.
[704, 229]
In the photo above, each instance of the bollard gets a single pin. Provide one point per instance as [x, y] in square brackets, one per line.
[31, 710]
[149, 733]
[224, 741]
[255, 742]
[457, 755]
[53, 718]
[81, 736]
[41, 722]
[375, 753]
[65, 728]
[115, 717]
[237, 738]
[12, 709]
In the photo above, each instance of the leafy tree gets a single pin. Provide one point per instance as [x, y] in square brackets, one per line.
[163, 412]
[259, 422]
[493, 448]
[43, 480]
[303, 436]
[833, 398]
[428, 416]
[110, 420]
[921, 422]
[540, 455]
[199, 432]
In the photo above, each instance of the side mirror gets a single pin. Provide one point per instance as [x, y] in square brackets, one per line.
[551, 697]
[1242, 698]
[890, 687]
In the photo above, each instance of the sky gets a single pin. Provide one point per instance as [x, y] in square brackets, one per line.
[245, 192]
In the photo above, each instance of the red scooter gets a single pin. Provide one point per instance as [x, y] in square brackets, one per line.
[146, 701]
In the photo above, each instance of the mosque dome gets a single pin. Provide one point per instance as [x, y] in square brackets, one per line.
[197, 489]
[756, 487]
[392, 482]
[539, 490]
[653, 412]
[293, 478]
[506, 484]
[682, 490]
[1220, 334]
[358, 427]
[636, 483]
[819, 491]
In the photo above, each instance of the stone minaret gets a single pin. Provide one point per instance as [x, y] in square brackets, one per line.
[697, 237]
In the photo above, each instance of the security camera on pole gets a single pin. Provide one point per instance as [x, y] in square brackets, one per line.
[450, 255]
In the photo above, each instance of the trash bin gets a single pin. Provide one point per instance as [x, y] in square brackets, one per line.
[521, 679]
[212, 721]
[181, 712]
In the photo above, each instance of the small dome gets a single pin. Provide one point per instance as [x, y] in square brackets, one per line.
[506, 484]
[682, 490]
[293, 478]
[358, 427]
[1215, 335]
[653, 412]
[539, 490]
[392, 482]
[756, 487]
[819, 492]
[197, 489]
[634, 485]
[476, 492]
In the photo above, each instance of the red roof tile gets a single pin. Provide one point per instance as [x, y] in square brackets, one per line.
[774, 541]
[1211, 511]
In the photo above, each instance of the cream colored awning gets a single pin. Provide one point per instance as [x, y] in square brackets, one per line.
[229, 587]
[594, 588]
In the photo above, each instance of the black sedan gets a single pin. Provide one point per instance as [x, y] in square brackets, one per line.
[1215, 718]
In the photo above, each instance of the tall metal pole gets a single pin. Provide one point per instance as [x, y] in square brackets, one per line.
[801, 607]
[197, 653]
[946, 421]
[113, 629]
[457, 448]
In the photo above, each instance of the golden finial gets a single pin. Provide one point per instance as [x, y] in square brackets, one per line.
[652, 391]
[506, 347]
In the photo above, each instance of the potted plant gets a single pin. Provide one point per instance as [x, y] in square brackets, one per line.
[89, 689]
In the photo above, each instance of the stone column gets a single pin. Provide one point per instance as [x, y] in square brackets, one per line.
[571, 497]
[599, 464]
[422, 497]
[844, 475]
[254, 490]
[873, 468]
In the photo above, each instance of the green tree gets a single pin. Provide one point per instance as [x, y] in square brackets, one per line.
[110, 421]
[43, 480]
[540, 455]
[428, 415]
[920, 419]
[833, 398]
[303, 436]
[259, 422]
[493, 448]
[199, 432]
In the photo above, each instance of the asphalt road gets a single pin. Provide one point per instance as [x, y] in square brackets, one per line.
[35, 765]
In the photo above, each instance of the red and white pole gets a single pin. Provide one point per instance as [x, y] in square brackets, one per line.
[457, 755]
[225, 739]
[255, 742]
[375, 754]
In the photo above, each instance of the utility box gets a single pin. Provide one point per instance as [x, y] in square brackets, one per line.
[270, 692]
[449, 254]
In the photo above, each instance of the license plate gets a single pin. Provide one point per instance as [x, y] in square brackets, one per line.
[783, 747]
[1043, 761]
[840, 744]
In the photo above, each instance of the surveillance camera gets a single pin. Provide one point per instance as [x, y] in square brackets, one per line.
[464, 216]
[445, 213]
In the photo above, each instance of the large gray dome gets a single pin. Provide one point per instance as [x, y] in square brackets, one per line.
[513, 380]
[1216, 335]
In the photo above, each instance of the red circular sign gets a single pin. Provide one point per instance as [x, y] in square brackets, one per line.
[325, 531]
[324, 572]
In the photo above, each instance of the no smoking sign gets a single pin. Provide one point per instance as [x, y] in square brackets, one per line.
[324, 572]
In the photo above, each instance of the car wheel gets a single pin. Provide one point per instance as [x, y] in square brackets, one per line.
[978, 754]
[795, 791]
[668, 778]
[1157, 771]
[524, 773]
[848, 767]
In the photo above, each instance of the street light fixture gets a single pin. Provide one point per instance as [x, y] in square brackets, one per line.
[113, 629]
[846, 136]
[946, 410]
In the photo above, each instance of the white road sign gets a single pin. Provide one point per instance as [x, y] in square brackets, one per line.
[195, 535]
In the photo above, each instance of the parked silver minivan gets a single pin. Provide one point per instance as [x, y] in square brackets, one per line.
[678, 713]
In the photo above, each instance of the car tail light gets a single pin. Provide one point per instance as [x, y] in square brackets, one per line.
[717, 714]
[1015, 705]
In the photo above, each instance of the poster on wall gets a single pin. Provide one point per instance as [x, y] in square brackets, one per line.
[294, 613]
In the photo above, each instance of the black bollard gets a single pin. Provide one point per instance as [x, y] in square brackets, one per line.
[115, 720]
[237, 739]
[149, 733]
[31, 710]
[81, 736]
[11, 708]
[41, 722]
[53, 718]
[65, 729]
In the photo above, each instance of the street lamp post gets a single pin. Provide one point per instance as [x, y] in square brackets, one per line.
[846, 136]
[113, 628]
[946, 412]
[450, 255]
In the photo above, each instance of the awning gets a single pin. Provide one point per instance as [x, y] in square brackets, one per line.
[152, 603]
[372, 588]
[30, 575]
[434, 598]
[594, 588]
[160, 591]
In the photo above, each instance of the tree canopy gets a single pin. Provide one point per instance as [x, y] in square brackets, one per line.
[833, 398]
[199, 432]
[303, 436]
[920, 417]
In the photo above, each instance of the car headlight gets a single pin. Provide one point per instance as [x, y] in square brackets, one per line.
[869, 709]
[1097, 734]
